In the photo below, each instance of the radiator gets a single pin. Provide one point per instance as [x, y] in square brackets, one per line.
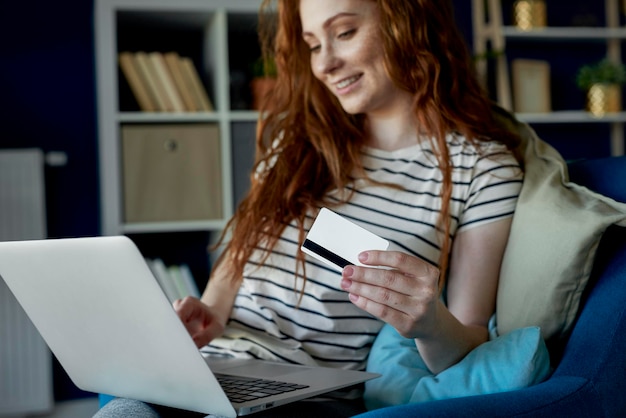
[25, 360]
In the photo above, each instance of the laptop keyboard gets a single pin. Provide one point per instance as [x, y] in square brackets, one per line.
[243, 389]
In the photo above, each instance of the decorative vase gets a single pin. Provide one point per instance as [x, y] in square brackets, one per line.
[529, 14]
[260, 88]
[604, 98]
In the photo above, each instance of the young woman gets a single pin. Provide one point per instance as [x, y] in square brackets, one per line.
[378, 116]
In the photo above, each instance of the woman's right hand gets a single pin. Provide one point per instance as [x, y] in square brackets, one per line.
[201, 323]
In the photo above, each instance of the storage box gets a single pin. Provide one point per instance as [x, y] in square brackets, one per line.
[171, 172]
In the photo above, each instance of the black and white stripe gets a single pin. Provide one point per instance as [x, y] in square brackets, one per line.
[272, 320]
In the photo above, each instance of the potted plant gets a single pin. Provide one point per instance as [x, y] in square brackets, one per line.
[263, 80]
[602, 81]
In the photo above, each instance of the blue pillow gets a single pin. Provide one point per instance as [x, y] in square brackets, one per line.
[104, 399]
[512, 361]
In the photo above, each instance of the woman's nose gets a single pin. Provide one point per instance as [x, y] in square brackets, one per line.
[327, 60]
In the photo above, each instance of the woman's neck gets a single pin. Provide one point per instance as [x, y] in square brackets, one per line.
[392, 132]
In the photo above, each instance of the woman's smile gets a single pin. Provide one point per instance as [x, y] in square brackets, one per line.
[347, 82]
[347, 55]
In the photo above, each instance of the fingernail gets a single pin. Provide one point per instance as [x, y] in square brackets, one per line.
[345, 283]
[353, 297]
[348, 271]
[364, 256]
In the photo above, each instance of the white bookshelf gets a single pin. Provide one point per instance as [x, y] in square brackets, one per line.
[579, 34]
[212, 22]
[571, 116]
[490, 32]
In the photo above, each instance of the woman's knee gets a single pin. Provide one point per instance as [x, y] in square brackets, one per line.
[127, 408]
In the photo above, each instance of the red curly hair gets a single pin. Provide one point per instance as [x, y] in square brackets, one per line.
[320, 144]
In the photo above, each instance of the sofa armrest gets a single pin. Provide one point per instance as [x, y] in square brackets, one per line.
[562, 396]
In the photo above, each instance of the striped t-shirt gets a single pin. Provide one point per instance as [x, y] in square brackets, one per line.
[270, 321]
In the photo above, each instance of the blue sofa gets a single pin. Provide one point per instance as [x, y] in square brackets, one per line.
[589, 379]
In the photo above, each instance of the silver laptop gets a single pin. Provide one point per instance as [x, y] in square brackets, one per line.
[104, 316]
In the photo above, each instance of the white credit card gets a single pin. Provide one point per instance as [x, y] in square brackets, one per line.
[337, 241]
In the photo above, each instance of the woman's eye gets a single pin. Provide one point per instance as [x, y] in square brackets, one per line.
[346, 34]
[314, 48]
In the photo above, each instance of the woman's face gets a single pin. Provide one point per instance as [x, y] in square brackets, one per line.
[347, 55]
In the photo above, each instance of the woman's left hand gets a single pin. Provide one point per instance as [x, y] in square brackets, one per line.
[405, 293]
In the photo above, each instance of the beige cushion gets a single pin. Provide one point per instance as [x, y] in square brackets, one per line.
[556, 230]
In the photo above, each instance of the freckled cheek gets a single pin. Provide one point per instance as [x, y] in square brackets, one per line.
[375, 53]
[370, 46]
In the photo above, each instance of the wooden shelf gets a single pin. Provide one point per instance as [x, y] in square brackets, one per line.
[491, 35]
[571, 116]
[182, 226]
[169, 117]
[565, 34]
[189, 117]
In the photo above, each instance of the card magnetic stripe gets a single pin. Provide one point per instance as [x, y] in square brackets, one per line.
[323, 252]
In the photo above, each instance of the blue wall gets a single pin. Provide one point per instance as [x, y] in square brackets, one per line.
[47, 101]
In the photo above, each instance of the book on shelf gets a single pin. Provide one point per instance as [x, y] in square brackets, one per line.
[172, 60]
[176, 278]
[165, 82]
[190, 282]
[174, 101]
[148, 73]
[131, 71]
[176, 281]
[194, 83]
